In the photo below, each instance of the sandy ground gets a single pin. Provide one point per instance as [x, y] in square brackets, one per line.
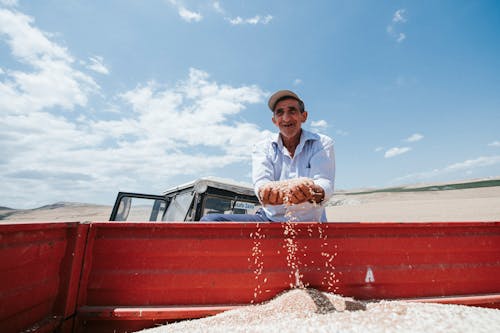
[475, 204]
[65, 212]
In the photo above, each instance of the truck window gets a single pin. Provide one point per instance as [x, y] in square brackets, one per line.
[179, 207]
[139, 209]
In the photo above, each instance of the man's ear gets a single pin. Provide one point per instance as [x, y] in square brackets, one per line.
[274, 121]
[304, 116]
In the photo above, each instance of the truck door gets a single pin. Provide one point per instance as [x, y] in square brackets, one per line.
[139, 207]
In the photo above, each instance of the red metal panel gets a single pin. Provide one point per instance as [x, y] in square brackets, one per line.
[35, 261]
[214, 264]
[71, 270]
[419, 260]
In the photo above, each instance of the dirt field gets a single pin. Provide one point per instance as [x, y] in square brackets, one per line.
[473, 204]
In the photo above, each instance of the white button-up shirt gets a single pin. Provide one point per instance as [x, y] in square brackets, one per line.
[314, 158]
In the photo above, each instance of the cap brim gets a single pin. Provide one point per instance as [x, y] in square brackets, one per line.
[280, 95]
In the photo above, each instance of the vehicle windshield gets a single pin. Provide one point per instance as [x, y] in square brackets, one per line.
[224, 205]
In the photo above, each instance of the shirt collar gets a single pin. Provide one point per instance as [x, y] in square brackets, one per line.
[304, 136]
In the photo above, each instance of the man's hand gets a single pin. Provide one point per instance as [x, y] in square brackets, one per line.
[271, 194]
[291, 192]
[299, 192]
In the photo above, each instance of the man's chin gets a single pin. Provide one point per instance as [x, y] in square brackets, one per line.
[289, 132]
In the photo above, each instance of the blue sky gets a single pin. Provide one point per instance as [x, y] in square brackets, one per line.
[102, 96]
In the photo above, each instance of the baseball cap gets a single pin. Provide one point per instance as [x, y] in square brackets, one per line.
[279, 95]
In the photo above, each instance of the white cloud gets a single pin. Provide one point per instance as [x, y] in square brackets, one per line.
[395, 151]
[192, 16]
[53, 80]
[398, 18]
[253, 20]
[156, 135]
[159, 135]
[415, 137]
[189, 16]
[186, 14]
[27, 43]
[192, 113]
[494, 144]
[297, 82]
[464, 168]
[238, 20]
[474, 163]
[97, 65]
[319, 125]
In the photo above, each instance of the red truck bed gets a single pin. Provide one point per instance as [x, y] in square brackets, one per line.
[109, 276]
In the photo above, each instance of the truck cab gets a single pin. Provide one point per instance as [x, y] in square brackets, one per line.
[187, 202]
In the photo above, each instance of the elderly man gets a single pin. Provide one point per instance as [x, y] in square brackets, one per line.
[293, 172]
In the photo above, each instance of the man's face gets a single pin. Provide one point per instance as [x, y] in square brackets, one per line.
[288, 118]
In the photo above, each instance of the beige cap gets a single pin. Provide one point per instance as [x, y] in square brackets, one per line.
[279, 95]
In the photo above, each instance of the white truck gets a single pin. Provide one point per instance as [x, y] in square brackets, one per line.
[187, 202]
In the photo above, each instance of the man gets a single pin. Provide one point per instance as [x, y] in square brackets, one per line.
[293, 172]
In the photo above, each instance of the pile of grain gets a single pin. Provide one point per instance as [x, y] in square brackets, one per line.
[306, 310]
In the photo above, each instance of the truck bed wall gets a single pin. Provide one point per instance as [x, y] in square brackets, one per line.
[40, 269]
[98, 277]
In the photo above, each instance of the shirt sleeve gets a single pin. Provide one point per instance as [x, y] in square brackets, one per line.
[262, 166]
[323, 168]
